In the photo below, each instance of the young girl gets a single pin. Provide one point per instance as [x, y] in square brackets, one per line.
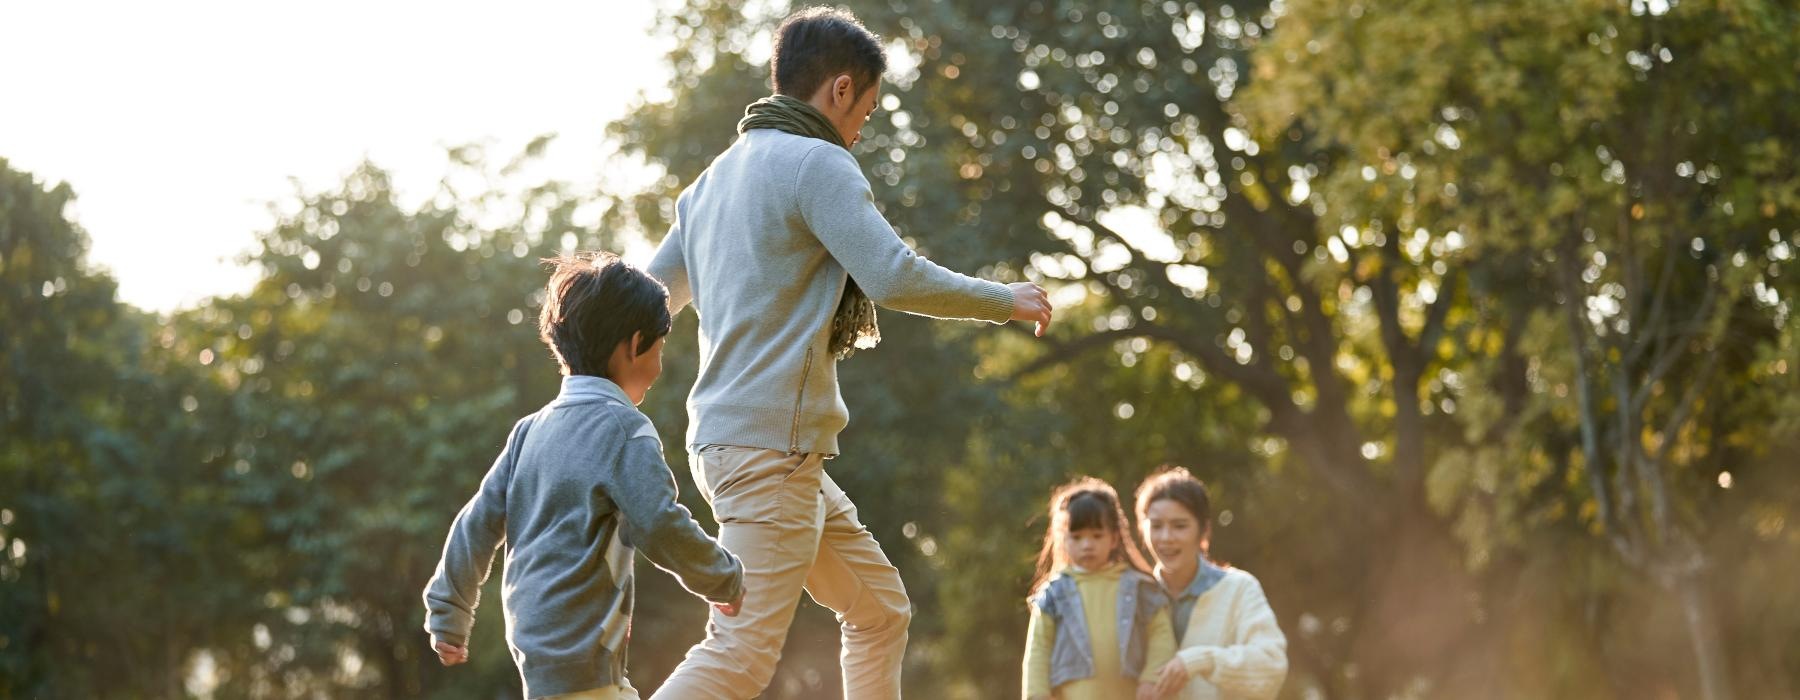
[1230, 645]
[1099, 624]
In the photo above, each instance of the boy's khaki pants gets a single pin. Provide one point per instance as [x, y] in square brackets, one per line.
[792, 528]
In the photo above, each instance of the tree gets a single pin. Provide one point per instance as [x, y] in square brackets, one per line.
[374, 370]
[115, 550]
[1620, 159]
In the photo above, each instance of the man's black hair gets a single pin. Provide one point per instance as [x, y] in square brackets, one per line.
[593, 302]
[818, 43]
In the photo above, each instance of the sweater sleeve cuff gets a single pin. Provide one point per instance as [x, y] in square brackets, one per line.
[995, 302]
[1198, 660]
[449, 637]
[735, 588]
[451, 626]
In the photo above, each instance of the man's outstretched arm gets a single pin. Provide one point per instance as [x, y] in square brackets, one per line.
[837, 204]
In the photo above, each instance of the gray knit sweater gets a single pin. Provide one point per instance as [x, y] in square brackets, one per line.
[578, 486]
[761, 245]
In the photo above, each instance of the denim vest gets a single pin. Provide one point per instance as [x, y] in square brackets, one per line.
[1071, 654]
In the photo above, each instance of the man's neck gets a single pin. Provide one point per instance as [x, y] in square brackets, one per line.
[822, 101]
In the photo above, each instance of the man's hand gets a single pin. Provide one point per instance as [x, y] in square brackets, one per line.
[1174, 676]
[730, 609]
[1030, 304]
[1147, 691]
[450, 654]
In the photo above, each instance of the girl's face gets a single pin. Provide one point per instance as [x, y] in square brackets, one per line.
[1174, 534]
[1090, 548]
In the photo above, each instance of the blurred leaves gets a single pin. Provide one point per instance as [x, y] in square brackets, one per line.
[1356, 264]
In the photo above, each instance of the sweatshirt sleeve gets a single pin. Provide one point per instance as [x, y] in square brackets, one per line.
[1040, 635]
[1255, 663]
[664, 530]
[454, 590]
[669, 266]
[1160, 647]
[837, 204]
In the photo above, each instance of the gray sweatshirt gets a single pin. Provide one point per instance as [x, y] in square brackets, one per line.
[761, 245]
[579, 484]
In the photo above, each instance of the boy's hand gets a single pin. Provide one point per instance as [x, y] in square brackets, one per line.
[1031, 304]
[730, 609]
[1174, 676]
[1147, 691]
[450, 654]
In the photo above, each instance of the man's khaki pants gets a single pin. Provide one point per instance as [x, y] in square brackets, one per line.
[792, 528]
[622, 691]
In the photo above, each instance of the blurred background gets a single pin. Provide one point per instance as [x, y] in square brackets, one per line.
[1475, 317]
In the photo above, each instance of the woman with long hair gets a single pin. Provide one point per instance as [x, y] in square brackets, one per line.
[1228, 642]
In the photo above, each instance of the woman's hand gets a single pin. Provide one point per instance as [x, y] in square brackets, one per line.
[1174, 677]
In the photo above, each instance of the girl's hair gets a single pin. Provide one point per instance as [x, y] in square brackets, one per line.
[1084, 503]
[1176, 484]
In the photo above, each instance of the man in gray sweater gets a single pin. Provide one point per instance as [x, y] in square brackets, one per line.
[579, 485]
[780, 248]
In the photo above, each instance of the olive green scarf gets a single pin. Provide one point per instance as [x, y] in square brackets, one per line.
[853, 327]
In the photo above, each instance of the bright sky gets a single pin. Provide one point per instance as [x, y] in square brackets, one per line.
[177, 123]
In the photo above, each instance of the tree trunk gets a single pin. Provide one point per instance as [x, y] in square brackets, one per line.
[1416, 603]
[1711, 666]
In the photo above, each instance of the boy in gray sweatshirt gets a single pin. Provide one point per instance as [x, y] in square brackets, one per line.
[580, 485]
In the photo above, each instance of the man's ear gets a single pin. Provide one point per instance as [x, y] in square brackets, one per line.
[843, 90]
[636, 341]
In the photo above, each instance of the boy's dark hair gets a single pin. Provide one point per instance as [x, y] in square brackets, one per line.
[816, 43]
[593, 302]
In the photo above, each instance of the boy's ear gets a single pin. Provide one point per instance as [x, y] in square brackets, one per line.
[636, 340]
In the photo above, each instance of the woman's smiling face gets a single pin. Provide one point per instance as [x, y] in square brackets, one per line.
[1174, 533]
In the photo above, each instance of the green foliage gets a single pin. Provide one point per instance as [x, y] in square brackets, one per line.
[107, 498]
[1476, 319]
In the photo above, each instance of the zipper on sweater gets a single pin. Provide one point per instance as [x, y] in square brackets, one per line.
[805, 371]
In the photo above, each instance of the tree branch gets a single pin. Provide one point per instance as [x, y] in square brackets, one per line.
[1683, 410]
[1589, 419]
[1659, 301]
[1436, 316]
[1065, 351]
[1669, 355]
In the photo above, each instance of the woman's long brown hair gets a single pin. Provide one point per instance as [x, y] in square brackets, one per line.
[1176, 484]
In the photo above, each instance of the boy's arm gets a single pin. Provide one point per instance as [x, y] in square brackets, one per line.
[669, 266]
[1040, 636]
[455, 589]
[837, 204]
[643, 488]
